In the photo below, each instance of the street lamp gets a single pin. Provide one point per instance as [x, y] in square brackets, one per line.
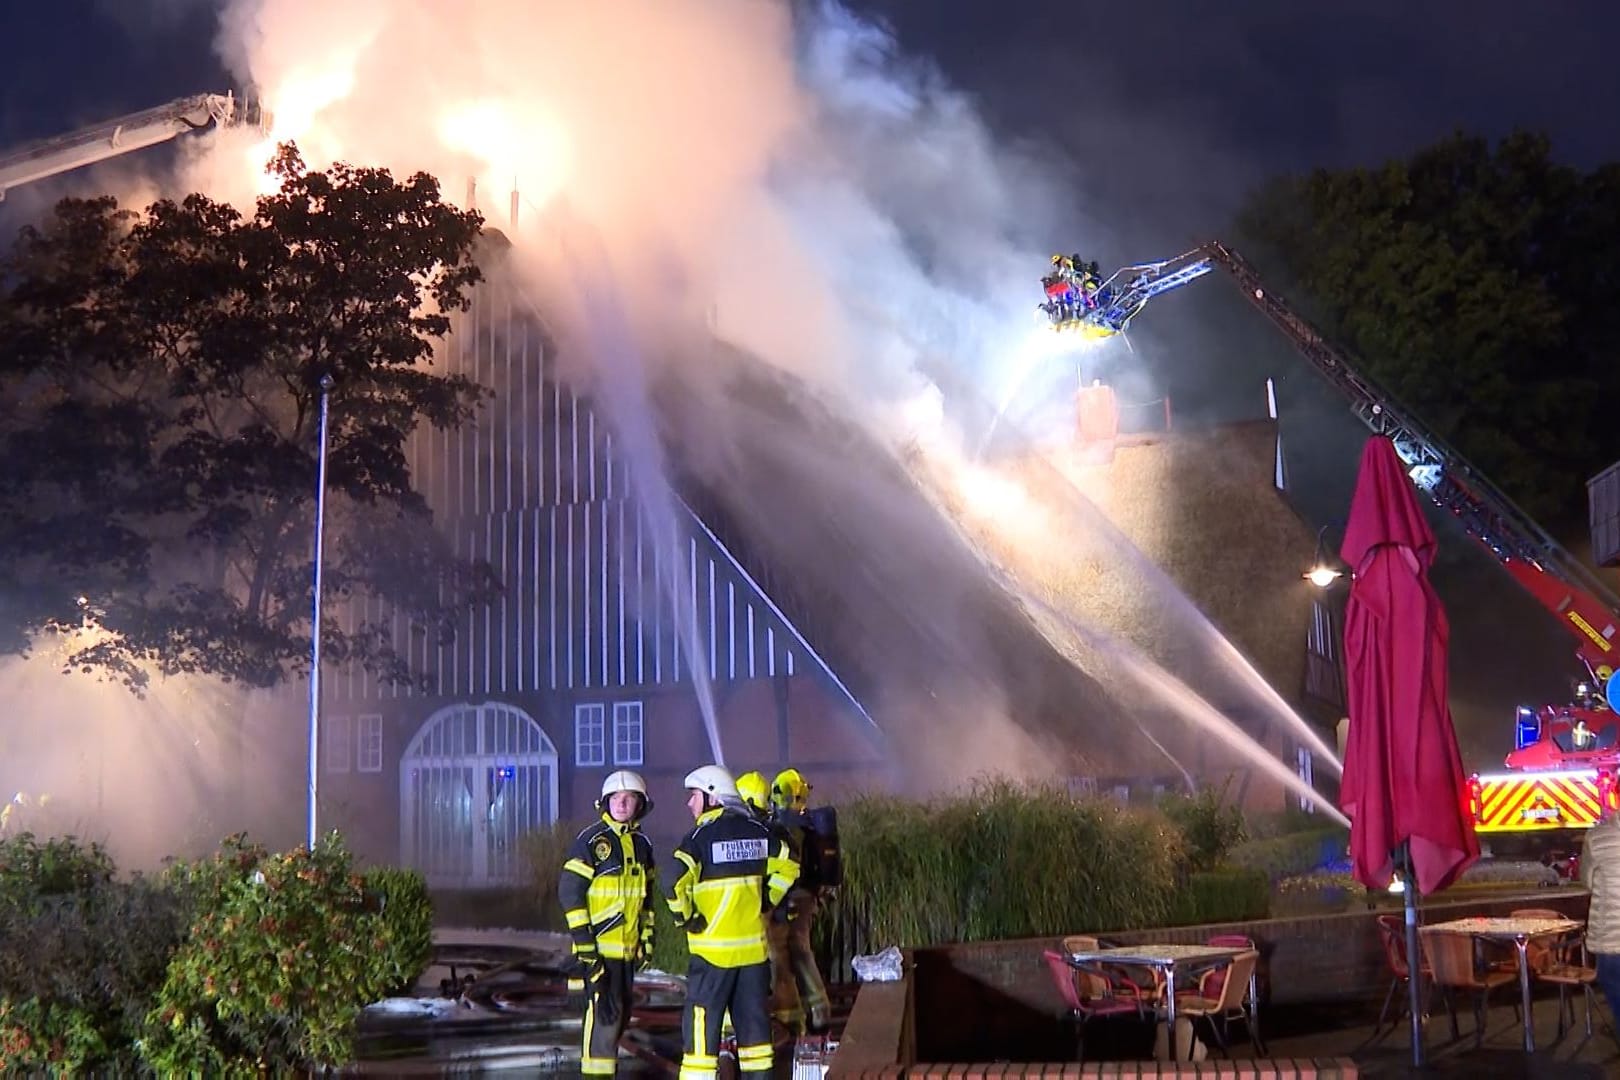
[1322, 573]
[315, 617]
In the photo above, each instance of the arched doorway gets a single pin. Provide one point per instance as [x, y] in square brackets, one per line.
[473, 781]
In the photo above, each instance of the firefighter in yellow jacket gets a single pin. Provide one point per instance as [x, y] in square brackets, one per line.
[799, 988]
[606, 891]
[730, 873]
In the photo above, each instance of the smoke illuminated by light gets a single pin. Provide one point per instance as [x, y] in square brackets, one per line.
[530, 155]
[781, 178]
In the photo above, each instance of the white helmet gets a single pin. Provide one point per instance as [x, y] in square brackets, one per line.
[713, 780]
[625, 780]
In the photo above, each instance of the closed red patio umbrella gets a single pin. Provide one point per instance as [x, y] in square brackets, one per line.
[1404, 787]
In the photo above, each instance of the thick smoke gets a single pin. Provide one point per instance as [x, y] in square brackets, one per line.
[783, 180]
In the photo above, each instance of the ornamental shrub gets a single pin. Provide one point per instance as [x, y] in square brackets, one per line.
[406, 908]
[283, 952]
[81, 958]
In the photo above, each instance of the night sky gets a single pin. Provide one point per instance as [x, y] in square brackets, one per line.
[1174, 108]
[1170, 110]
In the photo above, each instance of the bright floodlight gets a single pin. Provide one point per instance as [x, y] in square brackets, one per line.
[1322, 576]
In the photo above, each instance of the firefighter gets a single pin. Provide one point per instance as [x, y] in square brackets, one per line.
[731, 872]
[755, 793]
[606, 891]
[799, 987]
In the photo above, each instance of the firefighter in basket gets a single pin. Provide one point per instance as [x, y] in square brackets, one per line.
[731, 871]
[606, 889]
[813, 838]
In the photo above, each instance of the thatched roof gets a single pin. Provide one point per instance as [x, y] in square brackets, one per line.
[840, 534]
[1203, 508]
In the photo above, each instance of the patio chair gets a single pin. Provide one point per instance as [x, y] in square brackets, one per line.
[1220, 1011]
[1538, 954]
[1452, 966]
[1146, 982]
[1392, 935]
[1090, 993]
[1211, 982]
[1566, 965]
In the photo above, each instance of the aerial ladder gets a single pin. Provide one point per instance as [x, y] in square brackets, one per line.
[1564, 770]
[122, 135]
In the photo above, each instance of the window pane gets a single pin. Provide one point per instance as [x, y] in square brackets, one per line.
[339, 743]
[371, 743]
[590, 735]
[627, 733]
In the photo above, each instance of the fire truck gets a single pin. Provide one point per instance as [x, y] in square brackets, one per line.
[1564, 771]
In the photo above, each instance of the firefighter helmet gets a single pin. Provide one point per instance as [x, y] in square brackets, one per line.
[713, 780]
[755, 791]
[790, 790]
[625, 780]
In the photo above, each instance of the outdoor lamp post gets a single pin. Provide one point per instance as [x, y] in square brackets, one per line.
[315, 617]
[1322, 573]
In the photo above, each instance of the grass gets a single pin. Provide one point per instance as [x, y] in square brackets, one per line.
[1003, 861]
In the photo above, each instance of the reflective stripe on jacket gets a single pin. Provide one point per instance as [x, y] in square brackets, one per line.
[605, 888]
[732, 871]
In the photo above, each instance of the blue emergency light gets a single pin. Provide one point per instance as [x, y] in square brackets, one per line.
[1526, 729]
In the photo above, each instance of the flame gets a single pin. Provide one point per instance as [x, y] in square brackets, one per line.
[530, 152]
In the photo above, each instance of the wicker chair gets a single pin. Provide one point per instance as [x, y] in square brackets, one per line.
[1452, 964]
[1567, 966]
[1229, 1005]
[1090, 994]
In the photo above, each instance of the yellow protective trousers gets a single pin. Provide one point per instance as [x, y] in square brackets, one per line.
[607, 1011]
[710, 992]
[796, 984]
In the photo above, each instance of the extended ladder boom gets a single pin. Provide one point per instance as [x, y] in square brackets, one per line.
[1563, 584]
[48, 157]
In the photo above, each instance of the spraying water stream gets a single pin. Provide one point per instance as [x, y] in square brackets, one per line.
[1070, 512]
[622, 390]
[1092, 649]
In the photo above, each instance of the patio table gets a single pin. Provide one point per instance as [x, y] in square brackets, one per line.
[1167, 958]
[1519, 932]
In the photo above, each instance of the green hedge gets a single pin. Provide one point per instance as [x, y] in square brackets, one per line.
[82, 955]
[1228, 894]
[1292, 854]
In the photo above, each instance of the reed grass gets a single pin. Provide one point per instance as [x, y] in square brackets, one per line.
[1002, 861]
[544, 852]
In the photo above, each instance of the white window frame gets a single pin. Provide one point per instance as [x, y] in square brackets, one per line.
[1306, 765]
[369, 752]
[339, 743]
[629, 733]
[590, 735]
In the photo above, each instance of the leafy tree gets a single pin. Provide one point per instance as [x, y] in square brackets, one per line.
[1478, 284]
[160, 379]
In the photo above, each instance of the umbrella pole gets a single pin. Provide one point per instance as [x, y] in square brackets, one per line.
[1414, 958]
